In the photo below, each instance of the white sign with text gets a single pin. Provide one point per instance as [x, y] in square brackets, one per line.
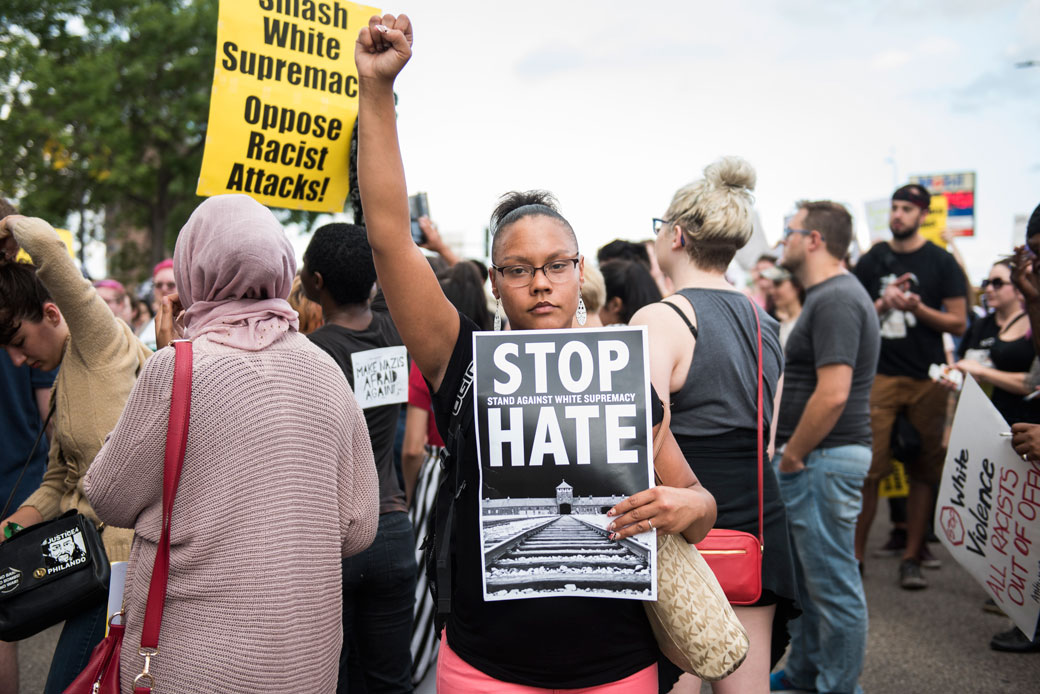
[380, 376]
[989, 508]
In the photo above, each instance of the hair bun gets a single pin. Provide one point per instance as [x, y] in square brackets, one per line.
[731, 171]
[514, 200]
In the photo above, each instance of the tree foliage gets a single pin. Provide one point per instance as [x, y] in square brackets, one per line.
[103, 109]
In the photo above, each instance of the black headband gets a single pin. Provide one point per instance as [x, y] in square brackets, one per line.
[913, 194]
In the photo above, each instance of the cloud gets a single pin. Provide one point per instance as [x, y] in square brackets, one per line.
[998, 86]
[890, 59]
[938, 46]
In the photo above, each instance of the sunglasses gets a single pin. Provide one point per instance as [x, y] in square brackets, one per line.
[996, 283]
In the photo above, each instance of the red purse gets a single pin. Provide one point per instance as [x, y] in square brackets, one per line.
[733, 555]
[102, 672]
[101, 676]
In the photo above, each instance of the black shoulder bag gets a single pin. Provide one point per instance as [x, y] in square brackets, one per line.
[50, 571]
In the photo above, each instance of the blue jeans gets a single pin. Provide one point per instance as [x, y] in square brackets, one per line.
[78, 638]
[829, 640]
[378, 600]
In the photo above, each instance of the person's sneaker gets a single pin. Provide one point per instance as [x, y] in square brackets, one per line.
[992, 607]
[895, 545]
[778, 682]
[910, 577]
[927, 559]
[1013, 641]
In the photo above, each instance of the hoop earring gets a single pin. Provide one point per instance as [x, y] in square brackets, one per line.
[581, 314]
[498, 314]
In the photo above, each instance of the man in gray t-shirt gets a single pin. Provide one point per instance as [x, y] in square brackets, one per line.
[823, 449]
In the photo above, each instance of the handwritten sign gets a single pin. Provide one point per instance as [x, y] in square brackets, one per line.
[877, 219]
[284, 101]
[989, 508]
[380, 376]
[563, 432]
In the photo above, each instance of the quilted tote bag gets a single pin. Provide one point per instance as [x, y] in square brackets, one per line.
[693, 622]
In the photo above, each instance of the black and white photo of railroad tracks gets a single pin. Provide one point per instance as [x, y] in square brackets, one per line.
[529, 553]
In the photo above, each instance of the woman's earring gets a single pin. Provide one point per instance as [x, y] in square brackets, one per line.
[498, 314]
[581, 314]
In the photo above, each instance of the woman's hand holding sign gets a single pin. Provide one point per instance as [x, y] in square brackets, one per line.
[664, 509]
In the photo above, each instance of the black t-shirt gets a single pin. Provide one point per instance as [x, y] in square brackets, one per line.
[979, 339]
[341, 343]
[908, 346]
[1014, 356]
[554, 642]
[837, 325]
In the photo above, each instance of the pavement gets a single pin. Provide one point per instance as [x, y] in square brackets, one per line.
[930, 641]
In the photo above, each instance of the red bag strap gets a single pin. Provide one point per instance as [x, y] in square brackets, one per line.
[761, 433]
[176, 442]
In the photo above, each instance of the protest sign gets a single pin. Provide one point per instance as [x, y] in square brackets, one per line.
[935, 223]
[380, 376]
[959, 191]
[877, 219]
[284, 102]
[895, 484]
[989, 508]
[563, 434]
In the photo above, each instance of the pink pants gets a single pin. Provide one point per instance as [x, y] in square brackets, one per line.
[456, 676]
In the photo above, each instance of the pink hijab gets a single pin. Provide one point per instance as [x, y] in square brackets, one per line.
[234, 269]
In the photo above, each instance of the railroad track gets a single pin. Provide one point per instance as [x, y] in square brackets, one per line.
[565, 555]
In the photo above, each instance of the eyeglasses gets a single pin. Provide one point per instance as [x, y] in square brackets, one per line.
[996, 283]
[522, 275]
[788, 231]
[659, 224]
[166, 286]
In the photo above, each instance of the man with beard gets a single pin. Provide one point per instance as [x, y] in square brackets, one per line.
[823, 449]
[920, 294]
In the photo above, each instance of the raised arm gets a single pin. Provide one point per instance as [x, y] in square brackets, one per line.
[428, 323]
[98, 334]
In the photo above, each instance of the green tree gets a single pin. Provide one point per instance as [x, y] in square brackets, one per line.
[103, 109]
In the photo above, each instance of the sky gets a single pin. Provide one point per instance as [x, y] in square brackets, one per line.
[613, 109]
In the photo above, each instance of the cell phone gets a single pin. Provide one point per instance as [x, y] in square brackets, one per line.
[418, 206]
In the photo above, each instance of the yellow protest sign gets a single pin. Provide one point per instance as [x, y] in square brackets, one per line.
[66, 237]
[284, 102]
[935, 223]
[896, 483]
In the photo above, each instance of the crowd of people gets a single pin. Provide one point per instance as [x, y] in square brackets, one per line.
[302, 510]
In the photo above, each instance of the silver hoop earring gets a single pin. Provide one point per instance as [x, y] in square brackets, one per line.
[498, 314]
[581, 314]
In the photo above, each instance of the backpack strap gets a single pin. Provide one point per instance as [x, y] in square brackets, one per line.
[461, 421]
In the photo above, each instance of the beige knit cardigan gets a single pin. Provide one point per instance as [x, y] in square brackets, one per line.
[278, 484]
[100, 364]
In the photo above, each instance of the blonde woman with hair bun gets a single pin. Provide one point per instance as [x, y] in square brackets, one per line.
[704, 352]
